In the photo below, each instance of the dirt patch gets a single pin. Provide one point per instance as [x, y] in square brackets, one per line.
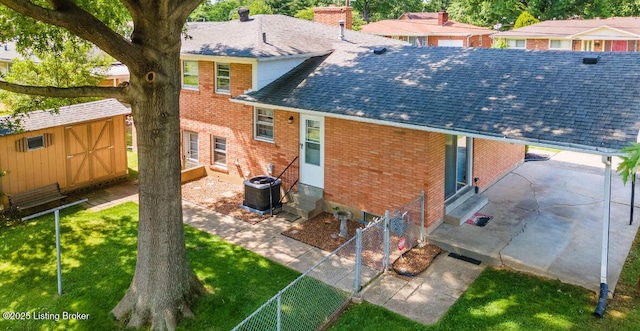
[220, 196]
[416, 260]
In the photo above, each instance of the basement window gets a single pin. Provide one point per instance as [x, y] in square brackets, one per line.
[220, 152]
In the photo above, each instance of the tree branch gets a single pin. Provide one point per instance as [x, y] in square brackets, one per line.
[119, 93]
[76, 20]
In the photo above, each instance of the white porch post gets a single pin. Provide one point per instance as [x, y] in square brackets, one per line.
[606, 216]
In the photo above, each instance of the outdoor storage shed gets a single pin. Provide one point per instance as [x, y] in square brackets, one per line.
[79, 146]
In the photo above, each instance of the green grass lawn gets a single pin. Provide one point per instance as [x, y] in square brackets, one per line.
[98, 260]
[98, 252]
[132, 164]
[505, 300]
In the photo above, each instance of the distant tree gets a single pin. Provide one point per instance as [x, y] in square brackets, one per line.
[625, 7]
[499, 43]
[525, 19]
[218, 12]
[73, 64]
[305, 14]
[280, 7]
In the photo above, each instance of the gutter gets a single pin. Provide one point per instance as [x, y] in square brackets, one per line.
[437, 129]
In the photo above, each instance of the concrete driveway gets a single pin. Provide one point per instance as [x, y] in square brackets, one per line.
[547, 220]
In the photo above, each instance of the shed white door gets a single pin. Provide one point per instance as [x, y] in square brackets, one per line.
[450, 43]
[312, 150]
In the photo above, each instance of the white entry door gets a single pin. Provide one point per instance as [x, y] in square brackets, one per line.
[190, 148]
[312, 150]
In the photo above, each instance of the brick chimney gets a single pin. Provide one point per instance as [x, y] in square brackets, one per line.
[333, 15]
[443, 17]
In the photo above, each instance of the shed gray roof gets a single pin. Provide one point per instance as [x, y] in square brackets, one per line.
[544, 97]
[284, 35]
[83, 112]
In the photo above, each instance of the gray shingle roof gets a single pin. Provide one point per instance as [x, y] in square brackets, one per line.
[546, 97]
[84, 112]
[284, 36]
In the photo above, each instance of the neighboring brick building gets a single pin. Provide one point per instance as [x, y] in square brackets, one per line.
[615, 34]
[431, 29]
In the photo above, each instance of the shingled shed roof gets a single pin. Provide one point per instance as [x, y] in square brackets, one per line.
[270, 36]
[83, 112]
[548, 98]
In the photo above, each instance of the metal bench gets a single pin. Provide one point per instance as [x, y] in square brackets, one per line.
[35, 197]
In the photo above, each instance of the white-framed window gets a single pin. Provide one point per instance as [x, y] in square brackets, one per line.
[560, 44]
[223, 78]
[263, 120]
[219, 145]
[190, 75]
[35, 142]
[516, 43]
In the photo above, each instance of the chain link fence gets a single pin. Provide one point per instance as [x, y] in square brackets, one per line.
[322, 292]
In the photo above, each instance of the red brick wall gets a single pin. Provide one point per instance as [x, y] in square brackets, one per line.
[539, 44]
[375, 168]
[332, 15]
[210, 114]
[492, 159]
[474, 41]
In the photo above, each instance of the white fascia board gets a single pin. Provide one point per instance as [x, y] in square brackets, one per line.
[217, 58]
[540, 143]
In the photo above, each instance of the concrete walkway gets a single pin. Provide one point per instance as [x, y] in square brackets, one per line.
[425, 298]
[547, 220]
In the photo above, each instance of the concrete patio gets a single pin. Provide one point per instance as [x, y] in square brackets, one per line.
[547, 220]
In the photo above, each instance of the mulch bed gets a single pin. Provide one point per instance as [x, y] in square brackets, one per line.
[416, 260]
[322, 232]
[220, 196]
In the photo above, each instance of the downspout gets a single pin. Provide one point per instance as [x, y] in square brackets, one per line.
[606, 211]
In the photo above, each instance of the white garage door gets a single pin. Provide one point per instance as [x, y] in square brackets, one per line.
[450, 43]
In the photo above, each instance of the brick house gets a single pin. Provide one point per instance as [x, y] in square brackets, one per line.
[352, 160]
[407, 119]
[615, 34]
[431, 29]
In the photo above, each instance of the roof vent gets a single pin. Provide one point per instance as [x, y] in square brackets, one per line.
[341, 23]
[379, 51]
[590, 60]
[244, 14]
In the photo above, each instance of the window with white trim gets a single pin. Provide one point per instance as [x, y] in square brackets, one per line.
[190, 75]
[560, 44]
[219, 145]
[516, 43]
[223, 78]
[264, 124]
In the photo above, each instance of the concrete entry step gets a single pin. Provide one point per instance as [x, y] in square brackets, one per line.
[459, 198]
[466, 209]
[306, 203]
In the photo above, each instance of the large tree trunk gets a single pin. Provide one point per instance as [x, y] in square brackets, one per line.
[163, 286]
